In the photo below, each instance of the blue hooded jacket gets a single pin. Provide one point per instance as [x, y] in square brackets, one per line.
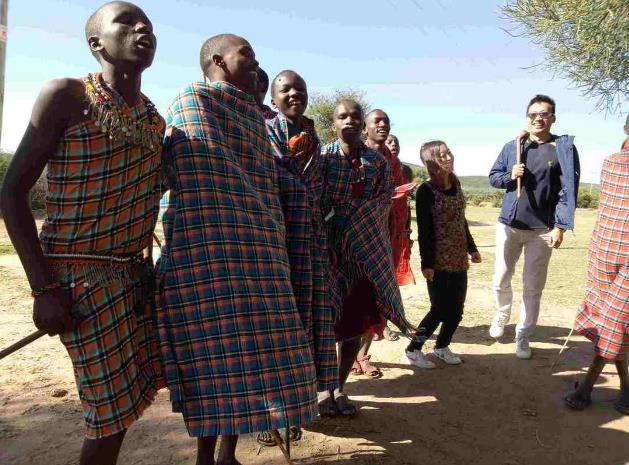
[568, 157]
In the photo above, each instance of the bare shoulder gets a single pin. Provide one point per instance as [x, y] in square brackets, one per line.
[64, 99]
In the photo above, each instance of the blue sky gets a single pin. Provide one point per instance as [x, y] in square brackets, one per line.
[441, 69]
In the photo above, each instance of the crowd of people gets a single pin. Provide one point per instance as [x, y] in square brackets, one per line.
[282, 258]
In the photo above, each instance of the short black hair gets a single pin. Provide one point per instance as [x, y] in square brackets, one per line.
[280, 75]
[215, 45]
[374, 111]
[263, 79]
[94, 23]
[540, 98]
[349, 101]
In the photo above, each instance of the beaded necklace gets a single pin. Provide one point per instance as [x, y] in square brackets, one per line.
[116, 120]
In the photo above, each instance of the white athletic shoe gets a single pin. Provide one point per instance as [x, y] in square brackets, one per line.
[497, 328]
[522, 349]
[418, 359]
[447, 356]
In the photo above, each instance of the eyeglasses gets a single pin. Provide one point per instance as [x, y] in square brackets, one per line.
[542, 114]
[443, 156]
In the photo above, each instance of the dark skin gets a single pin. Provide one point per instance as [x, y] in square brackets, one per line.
[125, 46]
[580, 398]
[237, 65]
[377, 128]
[349, 121]
[290, 95]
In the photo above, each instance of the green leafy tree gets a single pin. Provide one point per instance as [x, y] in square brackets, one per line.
[420, 174]
[585, 41]
[321, 109]
[5, 159]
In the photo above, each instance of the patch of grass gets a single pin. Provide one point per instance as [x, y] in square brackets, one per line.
[6, 249]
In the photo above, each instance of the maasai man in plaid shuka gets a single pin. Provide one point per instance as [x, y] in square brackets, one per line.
[357, 196]
[101, 140]
[236, 358]
[296, 146]
[604, 315]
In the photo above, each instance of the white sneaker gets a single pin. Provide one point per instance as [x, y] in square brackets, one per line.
[447, 356]
[522, 349]
[418, 359]
[497, 328]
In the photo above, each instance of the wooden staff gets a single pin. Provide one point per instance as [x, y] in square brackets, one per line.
[278, 441]
[21, 343]
[518, 155]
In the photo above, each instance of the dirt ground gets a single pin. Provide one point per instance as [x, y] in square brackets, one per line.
[491, 410]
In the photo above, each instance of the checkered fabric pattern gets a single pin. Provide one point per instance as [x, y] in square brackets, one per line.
[319, 324]
[103, 199]
[236, 358]
[604, 315]
[357, 230]
[103, 195]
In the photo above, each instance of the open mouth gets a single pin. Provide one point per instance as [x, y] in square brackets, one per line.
[145, 42]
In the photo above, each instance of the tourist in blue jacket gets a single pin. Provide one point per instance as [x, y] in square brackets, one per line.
[536, 220]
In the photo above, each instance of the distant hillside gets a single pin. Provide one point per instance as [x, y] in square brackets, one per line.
[481, 184]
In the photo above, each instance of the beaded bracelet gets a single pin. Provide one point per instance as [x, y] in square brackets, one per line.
[37, 291]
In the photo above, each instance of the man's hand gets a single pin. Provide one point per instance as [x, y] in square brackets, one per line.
[517, 171]
[556, 238]
[428, 273]
[475, 257]
[51, 312]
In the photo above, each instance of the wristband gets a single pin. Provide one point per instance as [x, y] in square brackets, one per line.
[37, 291]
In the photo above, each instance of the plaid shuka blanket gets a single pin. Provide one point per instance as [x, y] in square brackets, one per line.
[356, 204]
[300, 158]
[236, 359]
[103, 199]
[604, 315]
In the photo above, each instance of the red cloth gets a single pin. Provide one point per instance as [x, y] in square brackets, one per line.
[399, 229]
[604, 316]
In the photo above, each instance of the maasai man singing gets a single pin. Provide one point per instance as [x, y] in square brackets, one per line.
[377, 128]
[357, 197]
[297, 149]
[604, 315]
[236, 358]
[100, 139]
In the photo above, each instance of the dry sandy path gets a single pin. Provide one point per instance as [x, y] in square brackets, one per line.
[492, 410]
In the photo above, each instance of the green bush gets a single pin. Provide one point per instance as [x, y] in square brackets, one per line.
[5, 159]
[38, 192]
[587, 200]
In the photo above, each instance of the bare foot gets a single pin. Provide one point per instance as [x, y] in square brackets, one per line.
[622, 403]
[578, 399]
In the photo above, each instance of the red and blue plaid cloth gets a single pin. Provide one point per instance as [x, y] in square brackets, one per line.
[103, 199]
[236, 358]
[356, 213]
[604, 315]
[317, 315]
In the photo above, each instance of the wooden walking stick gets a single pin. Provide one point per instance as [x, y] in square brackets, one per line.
[518, 155]
[21, 343]
[278, 441]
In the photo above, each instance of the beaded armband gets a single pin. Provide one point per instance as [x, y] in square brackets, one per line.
[37, 291]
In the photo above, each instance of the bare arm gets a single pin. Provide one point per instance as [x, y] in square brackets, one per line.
[51, 114]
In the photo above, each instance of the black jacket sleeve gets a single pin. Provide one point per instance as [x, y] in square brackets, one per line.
[423, 204]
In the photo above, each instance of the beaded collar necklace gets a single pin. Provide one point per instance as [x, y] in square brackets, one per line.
[116, 120]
